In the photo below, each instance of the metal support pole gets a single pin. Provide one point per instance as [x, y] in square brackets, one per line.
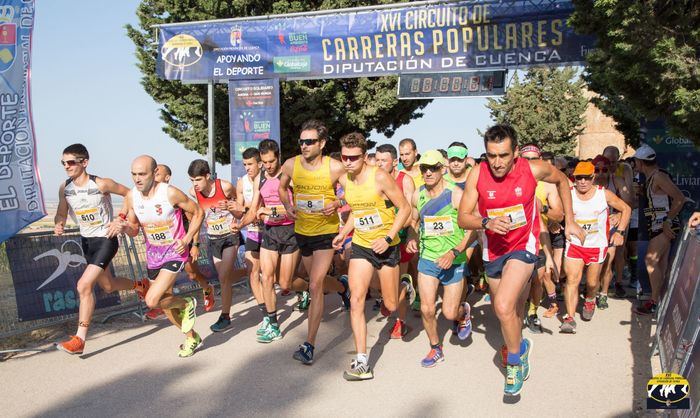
[211, 154]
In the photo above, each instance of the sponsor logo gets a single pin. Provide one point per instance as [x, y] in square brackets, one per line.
[181, 50]
[491, 194]
[261, 126]
[298, 42]
[292, 64]
[65, 259]
[668, 391]
[518, 191]
[159, 209]
[8, 37]
[236, 37]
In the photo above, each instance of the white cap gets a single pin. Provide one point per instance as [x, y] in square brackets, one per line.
[645, 152]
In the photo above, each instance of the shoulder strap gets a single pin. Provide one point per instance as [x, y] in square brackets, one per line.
[68, 181]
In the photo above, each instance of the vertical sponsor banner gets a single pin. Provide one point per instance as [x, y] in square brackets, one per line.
[254, 115]
[45, 271]
[21, 199]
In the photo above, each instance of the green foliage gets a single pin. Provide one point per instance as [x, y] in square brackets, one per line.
[646, 62]
[345, 105]
[545, 108]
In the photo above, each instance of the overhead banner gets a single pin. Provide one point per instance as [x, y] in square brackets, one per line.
[254, 115]
[409, 39]
[21, 199]
[45, 271]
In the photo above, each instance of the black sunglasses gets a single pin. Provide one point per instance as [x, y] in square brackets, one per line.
[71, 163]
[577, 178]
[351, 158]
[433, 168]
[308, 142]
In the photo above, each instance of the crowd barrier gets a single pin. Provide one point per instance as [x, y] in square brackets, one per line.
[39, 272]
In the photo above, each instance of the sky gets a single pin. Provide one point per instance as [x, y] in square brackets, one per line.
[86, 88]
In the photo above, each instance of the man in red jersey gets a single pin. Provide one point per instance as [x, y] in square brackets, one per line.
[503, 186]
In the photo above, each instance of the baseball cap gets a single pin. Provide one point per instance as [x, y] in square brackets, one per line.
[431, 157]
[600, 159]
[645, 152]
[584, 168]
[457, 151]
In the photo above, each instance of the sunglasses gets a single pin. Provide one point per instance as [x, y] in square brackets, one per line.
[351, 158]
[71, 163]
[601, 170]
[587, 178]
[432, 168]
[308, 142]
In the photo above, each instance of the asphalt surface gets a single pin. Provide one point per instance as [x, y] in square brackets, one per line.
[131, 368]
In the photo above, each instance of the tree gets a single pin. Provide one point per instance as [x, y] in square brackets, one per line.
[345, 105]
[646, 61]
[545, 108]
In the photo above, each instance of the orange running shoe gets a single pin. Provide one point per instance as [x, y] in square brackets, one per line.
[400, 330]
[154, 313]
[74, 345]
[209, 299]
[553, 310]
[504, 355]
[141, 287]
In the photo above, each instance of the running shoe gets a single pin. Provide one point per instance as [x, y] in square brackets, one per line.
[345, 294]
[221, 324]
[525, 358]
[588, 310]
[534, 324]
[305, 354]
[208, 298]
[377, 304]
[74, 345]
[514, 380]
[384, 311]
[602, 302]
[400, 329]
[303, 301]
[189, 314]
[153, 313]
[272, 333]
[285, 292]
[470, 290]
[553, 310]
[435, 356]
[415, 306]
[568, 326]
[648, 308]
[358, 371]
[410, 288]
[141, 287]
[264, 324]
[464, 328]
[620, 291]
[504, 355]
[190, 346]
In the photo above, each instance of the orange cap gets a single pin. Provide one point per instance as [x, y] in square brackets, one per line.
[584, 168]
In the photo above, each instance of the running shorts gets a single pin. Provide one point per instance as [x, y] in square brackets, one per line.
[279, 238]
[171, 266]
[99, 251]
[389, 258]
[310, 243]
[452, 275]
[587, 255]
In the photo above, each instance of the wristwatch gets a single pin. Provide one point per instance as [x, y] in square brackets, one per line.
[484, 221]
[195, 244]
[388, 239]
[456, 252]
[545, 209]
[623, 233]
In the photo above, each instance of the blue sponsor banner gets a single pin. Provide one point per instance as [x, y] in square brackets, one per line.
[409, 39]
[45, 271]
[21, 199]
[254, 115]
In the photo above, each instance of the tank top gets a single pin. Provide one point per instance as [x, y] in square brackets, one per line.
[439, 232]
[403, 232]
[634, 219]
[248, 188]
[252, 231]
[269, 192]
[512, 196]
[217, 221]
[89, 207]
[417, 179]
[162, 225]
[373, 216]
[313, 190]
[658, 206]
[592, 216]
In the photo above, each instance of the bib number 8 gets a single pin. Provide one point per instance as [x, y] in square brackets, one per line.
[309, 204]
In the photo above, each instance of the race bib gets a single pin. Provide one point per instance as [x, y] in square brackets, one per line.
[515, 214]
[589, 225]
[219, 226]
[656, 216]
[278, 211]
[159, 235]
[367, 220]
[89, 217]
[436, 226]
[309, 203]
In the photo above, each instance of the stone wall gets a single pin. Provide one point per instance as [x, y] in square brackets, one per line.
[599, 133]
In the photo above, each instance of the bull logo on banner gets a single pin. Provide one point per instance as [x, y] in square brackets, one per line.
[8, 37]
[182, 50]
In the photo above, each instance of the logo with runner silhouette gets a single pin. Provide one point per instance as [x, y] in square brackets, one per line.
[668, 391]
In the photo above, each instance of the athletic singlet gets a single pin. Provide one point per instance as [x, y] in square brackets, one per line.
[162, 225]
[417, 179]
[403, 232]
[313, 190]
[269, 192]
[218, 221]
[541, 195]
[252, 231]
[247, 189]
[658, 206]
[89, 207]
[373, 216]
[439, 232]
[592, 216]
[512, 196]
[634, 219]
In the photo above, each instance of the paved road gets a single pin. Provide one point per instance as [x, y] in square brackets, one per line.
[131, 369]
